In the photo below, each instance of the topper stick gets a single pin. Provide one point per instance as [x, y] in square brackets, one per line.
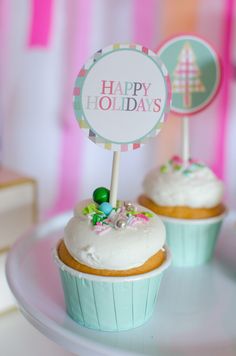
[114, 178]
[185, 140]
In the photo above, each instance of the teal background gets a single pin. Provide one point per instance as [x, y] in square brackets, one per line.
[207, 63]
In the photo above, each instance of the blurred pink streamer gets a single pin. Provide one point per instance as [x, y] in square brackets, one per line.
[77, 36]
[41, 22]
[4, 34]
[144, 22]
[4, 17]
[226, 41]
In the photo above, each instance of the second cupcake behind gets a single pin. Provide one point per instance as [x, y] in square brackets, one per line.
[189, 200]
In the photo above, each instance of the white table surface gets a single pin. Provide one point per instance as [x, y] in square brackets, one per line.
[19, 337]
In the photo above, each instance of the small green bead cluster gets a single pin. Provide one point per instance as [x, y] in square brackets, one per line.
[101, 213]
[101, 195]
[101, 208]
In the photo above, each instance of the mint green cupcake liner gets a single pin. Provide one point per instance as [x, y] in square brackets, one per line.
[192, 242]
[110, 303]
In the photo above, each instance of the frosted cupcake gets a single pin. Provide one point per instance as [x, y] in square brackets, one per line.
[111, 263]
[189, 200]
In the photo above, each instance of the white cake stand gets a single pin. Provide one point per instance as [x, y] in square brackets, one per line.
[195, 314]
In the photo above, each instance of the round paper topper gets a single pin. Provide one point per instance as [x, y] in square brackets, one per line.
[121, 96]
[194, 70]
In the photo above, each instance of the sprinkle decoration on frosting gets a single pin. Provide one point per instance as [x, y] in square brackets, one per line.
[176, 163]
[104, 218]
[124, 239]
[179, 183]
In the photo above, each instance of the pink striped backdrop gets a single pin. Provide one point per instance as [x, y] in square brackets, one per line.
[41, 22]
[4, 30]
[145, 22]
[148, 26]
[223, 110]
[77, 39]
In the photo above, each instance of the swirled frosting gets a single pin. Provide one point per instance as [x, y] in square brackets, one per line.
[174, 184]
[117, 249]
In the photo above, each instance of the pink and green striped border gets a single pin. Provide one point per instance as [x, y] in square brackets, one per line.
[167, 43]
[79, 87]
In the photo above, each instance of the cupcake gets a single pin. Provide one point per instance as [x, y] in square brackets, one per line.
[189, 200]
[111, 262]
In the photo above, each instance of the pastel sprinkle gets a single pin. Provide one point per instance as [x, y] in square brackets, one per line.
[149, 215]
[103, 217]
[97, 218]
[164, 169]
[130, 218]
[142, 216]
[176, 164]
[177, 159]
[134, 222]
[146, 213]
[101, 229]
[119, 203]
[186, 172]
[90, 209]
[177, 167]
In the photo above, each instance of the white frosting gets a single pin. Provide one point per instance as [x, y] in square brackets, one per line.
[116, 249]
[199, 189]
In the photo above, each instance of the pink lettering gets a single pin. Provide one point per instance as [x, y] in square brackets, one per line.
[105, 103]
[146, 87]
[157, 105]
[141, 106]
[107, 87]
[118, 89]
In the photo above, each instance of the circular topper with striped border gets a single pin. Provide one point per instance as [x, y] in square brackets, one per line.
[195, 72]
[121, 96]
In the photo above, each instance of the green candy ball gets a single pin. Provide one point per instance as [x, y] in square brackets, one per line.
[101, 195]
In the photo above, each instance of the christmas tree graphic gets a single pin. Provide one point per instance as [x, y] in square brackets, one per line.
[187, 76]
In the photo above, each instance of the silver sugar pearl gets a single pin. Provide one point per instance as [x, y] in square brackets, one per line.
[120, 224]
[129, 206]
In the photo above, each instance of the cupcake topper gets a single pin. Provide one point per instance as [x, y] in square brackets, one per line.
[121, 98]
[195, 74]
